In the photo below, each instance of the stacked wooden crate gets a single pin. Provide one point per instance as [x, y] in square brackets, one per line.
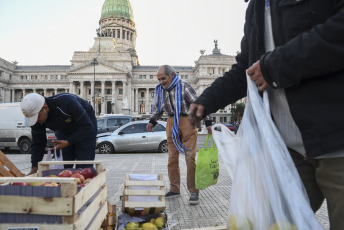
[73, 208]
[144, 206]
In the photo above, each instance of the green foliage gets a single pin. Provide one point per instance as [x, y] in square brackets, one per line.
[237, 111]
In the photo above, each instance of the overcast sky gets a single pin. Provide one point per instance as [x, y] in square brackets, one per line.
[47, 32]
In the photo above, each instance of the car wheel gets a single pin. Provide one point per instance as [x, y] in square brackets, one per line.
[163, 147]
[25, 146]
[106, 148]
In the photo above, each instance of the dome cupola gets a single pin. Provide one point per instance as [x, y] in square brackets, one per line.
[117, 9]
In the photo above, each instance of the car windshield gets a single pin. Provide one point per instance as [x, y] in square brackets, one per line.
[100, 123]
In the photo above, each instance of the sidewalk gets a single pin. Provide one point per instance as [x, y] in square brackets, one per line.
[214, 201]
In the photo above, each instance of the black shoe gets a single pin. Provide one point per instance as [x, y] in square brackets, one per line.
[172, 194]
[193, 198]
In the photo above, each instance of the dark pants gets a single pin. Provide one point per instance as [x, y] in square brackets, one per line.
[324, 178]
[83, 150]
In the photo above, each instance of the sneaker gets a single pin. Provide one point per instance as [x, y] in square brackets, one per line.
[172, 194]
[193, 198]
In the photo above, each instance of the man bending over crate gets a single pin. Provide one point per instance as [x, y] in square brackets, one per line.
[174, 96]
[73, 120]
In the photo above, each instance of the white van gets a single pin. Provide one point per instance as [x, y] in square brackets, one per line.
[13, 132]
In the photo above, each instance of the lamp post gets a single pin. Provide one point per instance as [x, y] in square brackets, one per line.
[94, 63]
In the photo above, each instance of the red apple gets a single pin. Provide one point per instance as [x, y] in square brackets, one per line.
[87, 180]
[87, 173]
[20, 183]
[80, 177]
[77, 172]
[65, 173]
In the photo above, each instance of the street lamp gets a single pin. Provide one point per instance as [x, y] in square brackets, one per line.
[94, 63]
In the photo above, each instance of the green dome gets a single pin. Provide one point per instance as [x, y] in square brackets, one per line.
[117, 9]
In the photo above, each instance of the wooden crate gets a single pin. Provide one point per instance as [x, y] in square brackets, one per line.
[110, 223]
[7, 168]
[66, 206]
[148, 207]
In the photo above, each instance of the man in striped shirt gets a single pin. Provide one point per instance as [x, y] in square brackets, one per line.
[174, 97]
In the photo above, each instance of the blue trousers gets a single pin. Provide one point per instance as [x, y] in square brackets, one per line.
[82, 150]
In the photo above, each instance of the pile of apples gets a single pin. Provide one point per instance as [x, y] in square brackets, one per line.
[83, 176]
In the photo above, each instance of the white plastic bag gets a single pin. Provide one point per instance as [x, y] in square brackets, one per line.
[266, 189]
[56, 158]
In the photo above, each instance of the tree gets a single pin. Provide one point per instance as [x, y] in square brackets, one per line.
[237, 111]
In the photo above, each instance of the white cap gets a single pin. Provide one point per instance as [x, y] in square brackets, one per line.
[31, 105]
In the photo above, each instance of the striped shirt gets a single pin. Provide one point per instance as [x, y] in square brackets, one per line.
[188, 96]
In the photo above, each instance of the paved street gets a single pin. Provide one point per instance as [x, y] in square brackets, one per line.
[214, 201]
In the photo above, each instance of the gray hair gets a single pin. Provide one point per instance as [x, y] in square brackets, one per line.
[168, 70]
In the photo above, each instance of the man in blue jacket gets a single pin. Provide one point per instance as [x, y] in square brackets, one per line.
[73, 120]
[294, 49]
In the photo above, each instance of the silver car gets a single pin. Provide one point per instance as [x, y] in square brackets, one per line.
[133, 136]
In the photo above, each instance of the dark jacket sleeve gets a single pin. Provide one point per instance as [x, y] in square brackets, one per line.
[38, 143]
[317, 52]
[228, 88]
[85, 125]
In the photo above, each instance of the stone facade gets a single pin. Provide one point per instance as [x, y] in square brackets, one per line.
[109, 74]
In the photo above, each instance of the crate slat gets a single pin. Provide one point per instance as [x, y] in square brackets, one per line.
[12, 169]
[36, 205]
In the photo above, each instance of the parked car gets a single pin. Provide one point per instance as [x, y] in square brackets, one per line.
[133, 136]
[230, 127]
[13, 132]
[109, 123]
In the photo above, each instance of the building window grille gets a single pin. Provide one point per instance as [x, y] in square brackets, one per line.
[142, 94]
[152, 94]
[151, 77]
[127, 35]
[118, 33]
[120, 91]
[140, 77]
[123, 35]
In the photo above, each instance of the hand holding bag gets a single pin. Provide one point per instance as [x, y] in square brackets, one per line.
[267, 191]
[207, 167]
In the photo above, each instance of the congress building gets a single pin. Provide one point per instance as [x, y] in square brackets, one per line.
[109, 75]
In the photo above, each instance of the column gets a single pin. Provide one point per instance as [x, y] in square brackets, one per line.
[92, 95]
[103, 97]
[82, 89]
[113, 98]
[147, 109]
[23, 92]
[13, 94]
[130, 106]
[71, 87]
[55, 90]
[34, 90]
[125, 94]
[45, 92]
[66, 90]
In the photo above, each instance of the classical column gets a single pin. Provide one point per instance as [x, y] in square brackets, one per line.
[92, 95]
[147, 110]
[71, 87]
[45, 92]
[82, 89]
[34, 90]
[125, 94]
[130, 106]
[66, 90]
[55, 90]
[113, 98]
[23, 92]
[13, 94]
[103, 97]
